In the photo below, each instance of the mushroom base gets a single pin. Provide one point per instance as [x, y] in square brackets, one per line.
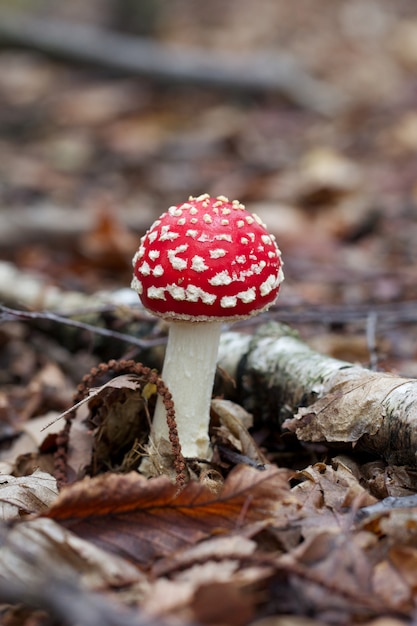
[188, 371]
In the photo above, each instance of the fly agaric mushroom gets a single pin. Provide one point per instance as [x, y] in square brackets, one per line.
[202, 263]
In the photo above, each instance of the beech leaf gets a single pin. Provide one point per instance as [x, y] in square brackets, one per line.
[352, 409]
[41, 548]
[147, 519]
[26, 494]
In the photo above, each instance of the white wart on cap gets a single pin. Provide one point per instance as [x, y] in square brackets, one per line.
[207, 259]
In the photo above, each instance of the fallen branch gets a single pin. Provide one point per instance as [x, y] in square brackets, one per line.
[334, 401]
[33, 290]
[7, 315]
[192, 66]
[20, 287]
[29, 290]
[57, 225]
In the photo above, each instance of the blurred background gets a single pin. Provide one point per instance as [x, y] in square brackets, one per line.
[113, 110]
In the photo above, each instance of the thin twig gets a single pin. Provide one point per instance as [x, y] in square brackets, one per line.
[7, 314]
[305, 313]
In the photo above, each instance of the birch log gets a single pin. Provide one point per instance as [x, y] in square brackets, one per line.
[34, 291]
[320, 398]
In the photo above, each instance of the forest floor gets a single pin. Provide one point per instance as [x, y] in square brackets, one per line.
[89, 158]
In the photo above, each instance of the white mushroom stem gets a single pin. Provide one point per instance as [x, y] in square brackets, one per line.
[188, 372]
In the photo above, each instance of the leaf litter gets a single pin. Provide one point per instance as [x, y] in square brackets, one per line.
[328, 541]
[262, 539]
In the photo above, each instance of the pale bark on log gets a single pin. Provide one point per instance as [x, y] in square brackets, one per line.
[37, 299]
[278, 376]
[320, 398]
[19, 287]
[34, 291]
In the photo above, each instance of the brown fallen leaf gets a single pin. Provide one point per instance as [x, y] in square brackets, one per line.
[326, 174]
[335, 417]
[215, 581]
[371, 410]
[180, 596]
[404, 559]
[144, 519]
[391, 586]
[335, 572]
[327, 495]
[39, 548]
[26, 494]
[94, 104]
[340, 488]
[222, 603]
[29, 450]
[235, 422]
[290, 620]
[398, 524]
[110, 424]
[231, 547]
[108, 245]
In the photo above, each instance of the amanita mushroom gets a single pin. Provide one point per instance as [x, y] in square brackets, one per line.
[202, 263]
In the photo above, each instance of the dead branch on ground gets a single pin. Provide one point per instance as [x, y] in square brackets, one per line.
[20, 287]
[136, 56]
[334, 401]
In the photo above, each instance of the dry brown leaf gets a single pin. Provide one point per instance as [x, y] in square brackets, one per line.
[363, 405]
[235, 422]
[335, 571]
[145, 519]
[26, 494]
[32, 435]
[343, 414]
[94, 104]
[325, 169]
[137, 138]
[403, 42]
[399, 481]
[108, 244]
[226, 409]
[344, 347]
[129, 381]
[404, 559]
[42, 548]
[24, 78]
[109, 423]
[287, 620]
[217, 578]
[180, 595]
[231, 547]
[390, 586]
[223, 603]
[328, 498]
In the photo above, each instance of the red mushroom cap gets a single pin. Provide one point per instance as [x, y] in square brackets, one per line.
[207, 259]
